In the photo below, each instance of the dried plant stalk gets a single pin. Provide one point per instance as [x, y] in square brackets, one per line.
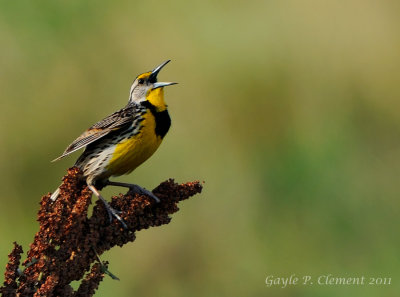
[68, 242]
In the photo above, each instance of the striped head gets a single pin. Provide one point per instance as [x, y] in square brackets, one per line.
[146, 88]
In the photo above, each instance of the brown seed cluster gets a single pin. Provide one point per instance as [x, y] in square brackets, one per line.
[69, 241]
[11, 274]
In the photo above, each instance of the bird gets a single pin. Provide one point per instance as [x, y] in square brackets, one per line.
[122, 141]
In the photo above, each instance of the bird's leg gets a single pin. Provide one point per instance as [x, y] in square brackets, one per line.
[111, 211]
[134, 188]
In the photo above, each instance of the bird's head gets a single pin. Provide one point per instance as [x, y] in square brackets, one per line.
[147, 88]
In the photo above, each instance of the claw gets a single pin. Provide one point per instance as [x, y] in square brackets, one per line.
[114, 213]
[135, 189]
[111, 211]
[143, 191]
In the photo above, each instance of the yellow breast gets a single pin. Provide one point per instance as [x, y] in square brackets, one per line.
[132, 152]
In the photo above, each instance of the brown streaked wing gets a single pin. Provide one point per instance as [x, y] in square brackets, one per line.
[100, 129]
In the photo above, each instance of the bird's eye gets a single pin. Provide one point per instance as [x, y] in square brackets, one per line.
[141, 81]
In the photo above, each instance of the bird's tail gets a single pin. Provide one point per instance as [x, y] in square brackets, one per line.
[54, 196]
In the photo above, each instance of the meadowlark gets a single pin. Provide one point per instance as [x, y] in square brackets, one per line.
[125, 139]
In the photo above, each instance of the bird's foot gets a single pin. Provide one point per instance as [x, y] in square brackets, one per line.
[111, 211]
[135, 189]
[114, 213]
[142, 191]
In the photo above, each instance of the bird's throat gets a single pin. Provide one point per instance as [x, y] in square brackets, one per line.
[156, 98]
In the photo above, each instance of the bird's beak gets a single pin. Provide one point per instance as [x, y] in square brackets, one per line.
[154, 73]
[158, 68]
[162, 84]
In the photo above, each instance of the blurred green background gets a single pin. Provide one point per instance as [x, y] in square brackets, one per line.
[288, 110]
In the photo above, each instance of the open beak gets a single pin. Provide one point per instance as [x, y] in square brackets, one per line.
[153, 76]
